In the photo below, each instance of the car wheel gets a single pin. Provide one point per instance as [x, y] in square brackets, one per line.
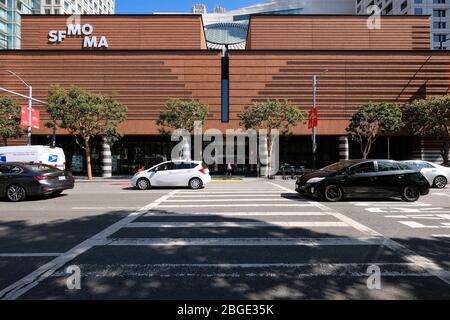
[15, 193]
[195, 183]
[411, 194]
[143, 184]
[333, 193]
[440, 182]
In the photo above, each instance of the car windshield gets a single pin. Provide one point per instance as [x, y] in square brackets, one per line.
[41, 168]
[338, 166]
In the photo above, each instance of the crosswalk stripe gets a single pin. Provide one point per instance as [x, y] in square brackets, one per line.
[256, 270]
[258, 224]
[253, 242]
[232, 214]
[238, 205]
[237, 195]
[227, 200]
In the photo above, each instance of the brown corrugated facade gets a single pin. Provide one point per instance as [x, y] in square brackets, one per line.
[152, 58]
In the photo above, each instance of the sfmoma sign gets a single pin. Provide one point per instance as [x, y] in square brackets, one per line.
[79, 30]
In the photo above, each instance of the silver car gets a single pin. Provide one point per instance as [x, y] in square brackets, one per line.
[437, 175]
[193, 174]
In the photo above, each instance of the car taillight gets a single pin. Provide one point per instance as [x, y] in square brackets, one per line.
[202, 170]
[44, 178]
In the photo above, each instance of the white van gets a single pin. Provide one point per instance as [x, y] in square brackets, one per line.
[38, 154]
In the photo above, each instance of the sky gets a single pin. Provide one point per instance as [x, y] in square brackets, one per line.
[185, 6]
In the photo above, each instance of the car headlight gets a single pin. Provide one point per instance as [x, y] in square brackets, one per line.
[315, 180]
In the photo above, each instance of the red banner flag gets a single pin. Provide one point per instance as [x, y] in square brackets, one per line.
[313, 118]
[35, 117]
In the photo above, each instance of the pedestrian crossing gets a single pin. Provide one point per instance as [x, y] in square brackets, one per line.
[250, 219]
[255, 239]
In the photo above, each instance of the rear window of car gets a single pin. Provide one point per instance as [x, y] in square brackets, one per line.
[41, 168]
[388, 166]
[185, 165]
[366, 167]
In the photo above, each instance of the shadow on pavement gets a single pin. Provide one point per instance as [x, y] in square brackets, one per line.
[166, 272]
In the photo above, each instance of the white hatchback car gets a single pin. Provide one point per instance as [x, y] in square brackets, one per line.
[437, 175]
[193, 174]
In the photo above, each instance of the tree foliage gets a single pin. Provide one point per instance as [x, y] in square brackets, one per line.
[430, 117]
[373, 120]
[10, 113]
[180, 114]
[271, 115]
[85, 115]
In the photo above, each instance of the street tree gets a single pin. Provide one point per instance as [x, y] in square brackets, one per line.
[430, 117]
[182, 115]
[271, 115]
[10, 113]
[85, 115]
[373, 120]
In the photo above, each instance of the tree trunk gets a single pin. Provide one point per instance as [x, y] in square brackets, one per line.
[88, 158]
[445, 151]
[5, 142]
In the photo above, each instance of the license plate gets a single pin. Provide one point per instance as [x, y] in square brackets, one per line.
[62, 178]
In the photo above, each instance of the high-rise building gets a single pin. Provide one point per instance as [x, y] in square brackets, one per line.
[439, 10]
[77, 6]
[10, 31]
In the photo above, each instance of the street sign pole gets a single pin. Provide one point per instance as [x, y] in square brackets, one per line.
[314, 142]
[30, 115]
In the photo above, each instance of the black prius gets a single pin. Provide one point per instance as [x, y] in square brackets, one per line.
[364, 179]
[21, 180]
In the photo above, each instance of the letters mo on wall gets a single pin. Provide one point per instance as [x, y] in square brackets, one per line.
[78, 30]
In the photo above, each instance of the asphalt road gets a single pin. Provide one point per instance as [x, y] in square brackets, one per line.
[254, 239]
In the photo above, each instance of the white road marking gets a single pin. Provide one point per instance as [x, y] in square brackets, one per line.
[234, 214]
[390, 204]
[235, 242]
[259, 224]
[106, 208]
[445, 236]
[297, 270]
[441, 194]
[417, 225]
[28, 255]
[407, 253]
[234, 196]
[20, 287]
[238, 205]
[228, 200]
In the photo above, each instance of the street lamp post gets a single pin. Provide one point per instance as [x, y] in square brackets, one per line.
[30, 106]
[314, 139]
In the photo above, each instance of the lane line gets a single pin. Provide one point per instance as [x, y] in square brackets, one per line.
[238, 242]
[400, 249]
[265, 224]
[20, 287]
[28, 255]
